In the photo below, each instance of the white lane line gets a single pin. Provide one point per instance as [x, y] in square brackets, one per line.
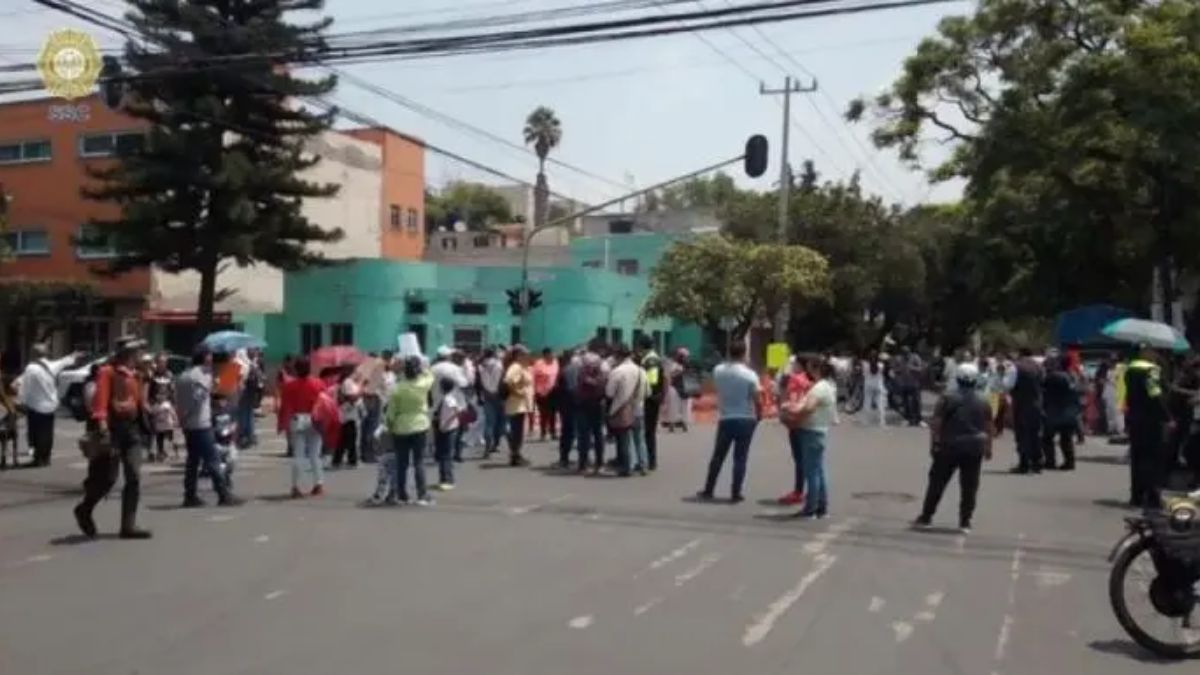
[41, 557]
[1050, 578]
[273, 595]
[903, 630]
[932, 602]
[222, 518]
[762, 626]
[1003, 638]
[960, 545]
[706, 562]
[1006, 627]
[580, 622]
[262, 539]
[647, 606]
[876, 605]
[522, 510]
[675, 554]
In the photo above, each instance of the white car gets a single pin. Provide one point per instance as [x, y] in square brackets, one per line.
[70, 380]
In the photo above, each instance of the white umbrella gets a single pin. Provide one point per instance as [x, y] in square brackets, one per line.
[1151, 333]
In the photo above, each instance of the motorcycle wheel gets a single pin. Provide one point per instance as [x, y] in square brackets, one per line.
[1187, 644]
[854, 401]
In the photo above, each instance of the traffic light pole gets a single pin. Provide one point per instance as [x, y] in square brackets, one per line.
[566, 220]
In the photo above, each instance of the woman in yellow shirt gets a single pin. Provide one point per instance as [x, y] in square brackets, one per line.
[518, 400]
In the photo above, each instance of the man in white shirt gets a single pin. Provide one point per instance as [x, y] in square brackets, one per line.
[39, 397]
[491, 371]
[449, 367]
[625, 391]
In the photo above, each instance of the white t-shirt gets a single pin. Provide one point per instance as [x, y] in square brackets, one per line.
[824, 415]
[873, 381]
[448, 412]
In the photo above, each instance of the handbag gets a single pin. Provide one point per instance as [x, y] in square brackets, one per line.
[623, 418]
[95, 445]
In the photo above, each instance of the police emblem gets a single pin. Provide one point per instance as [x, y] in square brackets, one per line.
[69, 64]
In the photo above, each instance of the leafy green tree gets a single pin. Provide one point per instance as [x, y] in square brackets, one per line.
[1073, 123]
[714, 279]
[476, 205]
[543, 131]
[220, 177]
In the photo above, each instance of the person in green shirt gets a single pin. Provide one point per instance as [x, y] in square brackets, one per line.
[408, 423]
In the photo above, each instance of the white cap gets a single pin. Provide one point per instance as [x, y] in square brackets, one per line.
[966, 372]
[444, 352]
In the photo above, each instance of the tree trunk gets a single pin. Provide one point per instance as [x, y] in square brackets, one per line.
[208, 300]
[541, 195]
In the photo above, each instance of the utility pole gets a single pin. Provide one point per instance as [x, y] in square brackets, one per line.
[790, 86]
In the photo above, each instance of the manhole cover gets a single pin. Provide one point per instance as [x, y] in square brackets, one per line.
[897, 497]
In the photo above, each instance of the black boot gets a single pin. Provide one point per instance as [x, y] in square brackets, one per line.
[129, 504]
[83, 518]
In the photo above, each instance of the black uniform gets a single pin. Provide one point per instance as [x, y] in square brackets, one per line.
[1027, 415]
[964, 421]
[1146, 419]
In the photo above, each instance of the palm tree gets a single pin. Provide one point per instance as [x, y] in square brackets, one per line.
[544, 132]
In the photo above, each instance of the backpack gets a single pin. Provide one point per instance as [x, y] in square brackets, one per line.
[591, 383]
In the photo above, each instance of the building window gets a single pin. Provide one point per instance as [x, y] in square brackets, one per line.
[617, 334]
[111, 144]
[638, 334]
[593, 264]
[92, 244]
[27, 242]
[515, 334]
[395, 216]
[602, 334]
[341, 333]
[413, 221]
[418, 307]
[20, 152]
[469, 339]
[449, 244]
[627, 266]
[481, 241]
[469, 308]
[310, 337]
[658, 341]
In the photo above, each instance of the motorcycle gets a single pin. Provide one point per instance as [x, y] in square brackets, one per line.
[1158, 564]
[225, 435]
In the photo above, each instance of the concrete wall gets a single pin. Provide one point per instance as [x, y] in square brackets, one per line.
[357, 166]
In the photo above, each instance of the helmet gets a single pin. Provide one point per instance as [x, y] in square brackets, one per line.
[966, 373]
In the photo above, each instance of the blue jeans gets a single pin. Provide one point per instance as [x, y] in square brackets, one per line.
[494, 420]
[306, 445]
[796, 441]
[566, 432]
[638, 458]
[202, 448]
[589, 428]
[366, 439]
[812, 445]
[735, 433]
[444, 443]
[410, 449]
[245, 420]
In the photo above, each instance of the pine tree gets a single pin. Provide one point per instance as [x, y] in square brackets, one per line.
[218, 179]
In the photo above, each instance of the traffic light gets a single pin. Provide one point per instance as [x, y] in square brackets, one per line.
[535, 299]
[514, 301]
[755, 159]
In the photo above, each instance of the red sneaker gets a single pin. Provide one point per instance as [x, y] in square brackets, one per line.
[318, 490]
[792, 499]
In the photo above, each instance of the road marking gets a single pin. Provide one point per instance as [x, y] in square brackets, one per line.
[41, 557]
[222, 518]
[960, 544]
[647, 606]
[273, 595]
[522, 510]
[580, 622]
[706, 562]
[1050, 578]
[762, 626]
[261, 539]
[903, 630]
[932, 602]
[676, 554]
[1003, 638]
[876, 605]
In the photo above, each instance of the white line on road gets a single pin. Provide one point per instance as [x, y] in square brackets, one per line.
[41, 557]
[522, 510]
[706, 562]
[762, 626]
[580, 622]
[1006, 627]
[1049, 578]
[222, 518]
[675, 554]
[262, 539]
[647, 606]
[1003, 638]
[903, 630]
[876, 605]
[273, 595]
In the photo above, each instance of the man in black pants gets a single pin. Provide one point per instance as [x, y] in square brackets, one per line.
[961, 433]
[1147, 420]
[651, 362]
[1027, 413]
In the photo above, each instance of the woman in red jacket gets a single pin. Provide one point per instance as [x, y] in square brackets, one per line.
[297, 403]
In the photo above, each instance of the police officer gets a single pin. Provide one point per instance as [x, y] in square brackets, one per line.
[116, 409]
[652, 363]
[961, 434]
[1146, 420]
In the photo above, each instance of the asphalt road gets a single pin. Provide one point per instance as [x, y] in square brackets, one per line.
[523, 572]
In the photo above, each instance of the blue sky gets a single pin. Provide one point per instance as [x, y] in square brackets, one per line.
[635, 111]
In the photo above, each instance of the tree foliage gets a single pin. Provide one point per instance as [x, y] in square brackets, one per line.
[220, 177]
[1074, 124]
[543, 131]
[44, 305]
[711, 280]
[476, 205]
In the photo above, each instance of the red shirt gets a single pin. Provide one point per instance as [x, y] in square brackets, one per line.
[298, 396]
[798, 385]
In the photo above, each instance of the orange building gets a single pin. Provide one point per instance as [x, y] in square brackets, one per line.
[46, 148]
